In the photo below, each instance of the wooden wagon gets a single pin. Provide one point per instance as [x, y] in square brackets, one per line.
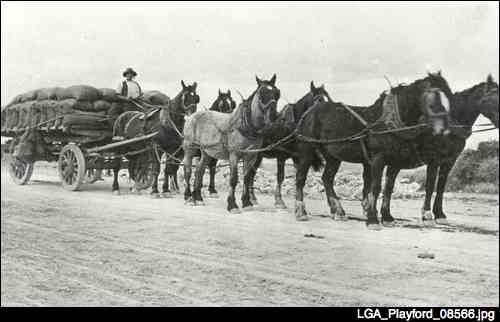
[83, 153]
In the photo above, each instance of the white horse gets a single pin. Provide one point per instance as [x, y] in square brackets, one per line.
[226, 137]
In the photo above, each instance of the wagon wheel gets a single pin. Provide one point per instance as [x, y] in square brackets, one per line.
[71, 167]
[20, 170]
[92, 175]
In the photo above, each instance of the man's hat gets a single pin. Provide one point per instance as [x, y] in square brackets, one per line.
[129, 71]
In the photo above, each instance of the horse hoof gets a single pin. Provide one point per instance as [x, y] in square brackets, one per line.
[390, 223]
[247, 208]
[427, 215]
[165, 195]
[198, 203]
[428, 223]
[340, 218]
[280, 205]
[155, 195]
[302, 218]
[442, 221]
[235, 211]
[116, 192]
[213, 195]
[375, 227]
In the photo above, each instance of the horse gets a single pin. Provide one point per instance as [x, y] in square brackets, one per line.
[169, 122]
[336, 131]
[169, 139]
[224, 104]
[229, 137]
[284, 125]
[441, 153]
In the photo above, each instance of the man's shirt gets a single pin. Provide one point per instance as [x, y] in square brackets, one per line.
[131, 90]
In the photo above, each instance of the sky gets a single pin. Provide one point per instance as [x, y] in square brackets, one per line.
[347, 46]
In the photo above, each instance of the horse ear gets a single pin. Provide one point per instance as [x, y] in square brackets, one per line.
[490, 80]
[323, 86]
[258, 80]
[195, 85]
[229, 92]
[312, 86]
[183, 85]
[273, 79]
[439, 72]
[219, 92]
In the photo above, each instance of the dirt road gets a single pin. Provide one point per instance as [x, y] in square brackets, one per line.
[94, 248]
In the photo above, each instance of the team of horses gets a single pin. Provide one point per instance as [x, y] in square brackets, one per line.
[410, 125]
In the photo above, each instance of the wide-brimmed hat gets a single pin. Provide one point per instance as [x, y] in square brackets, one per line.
[129, 71]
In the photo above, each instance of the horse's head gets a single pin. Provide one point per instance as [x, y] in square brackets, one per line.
[265, 101]
[188, 99]
[318, 94]
[435, 97]
[224, 103]
[488, 101]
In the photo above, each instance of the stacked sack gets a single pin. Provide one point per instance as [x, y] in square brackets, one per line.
[80, 106]
[82, 102]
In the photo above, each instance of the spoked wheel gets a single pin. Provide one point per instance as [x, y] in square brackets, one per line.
[20, 170]
[92, 175]
[71, 167]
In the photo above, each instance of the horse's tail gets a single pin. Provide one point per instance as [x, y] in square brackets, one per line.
[317, 161]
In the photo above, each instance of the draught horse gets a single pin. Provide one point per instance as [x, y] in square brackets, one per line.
[286, 122]
[441, 153]
[328, 125]
[227, 136]
[224, 104]
[169, 122]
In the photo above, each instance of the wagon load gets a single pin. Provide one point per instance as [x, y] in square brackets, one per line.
[56, 108]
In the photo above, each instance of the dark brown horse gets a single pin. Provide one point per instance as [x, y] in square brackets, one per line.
[327, 125]
[224, 104]
[229, 137]
[284, 125]
[169, 122]
[169, 137]
[441, 153]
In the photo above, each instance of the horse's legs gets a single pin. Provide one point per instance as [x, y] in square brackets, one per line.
[233, 181]
[175, 184]
[165, 190]
[437, 209]
[280, 177]
[247, 183]
[188, 161]
[116, 170]
[331, 168]
[377, 169]
[212, 167]
[300, 180]
[253, 172]
[430, 183]
[367, 176]
[198, 178]
[156, 171]
[385, 209]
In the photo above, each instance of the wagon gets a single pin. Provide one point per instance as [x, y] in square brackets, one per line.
[83, 153]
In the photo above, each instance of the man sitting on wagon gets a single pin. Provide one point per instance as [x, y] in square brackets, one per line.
[127, 90]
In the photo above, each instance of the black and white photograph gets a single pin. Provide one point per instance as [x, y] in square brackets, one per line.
[251, 154]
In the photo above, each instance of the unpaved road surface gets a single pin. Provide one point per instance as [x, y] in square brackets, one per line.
[93, 248]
